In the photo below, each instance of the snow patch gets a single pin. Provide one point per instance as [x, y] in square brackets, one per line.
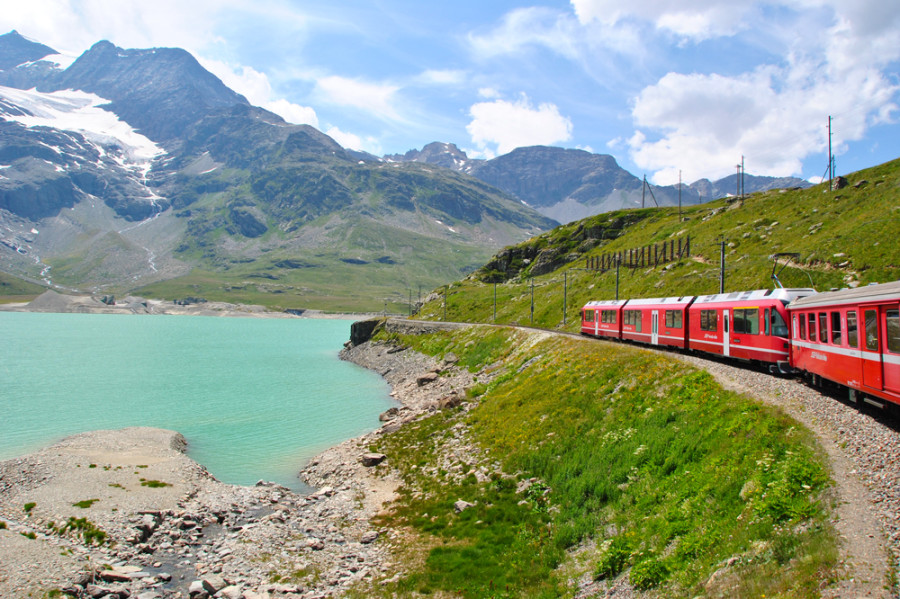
[60, 61]
[78, 111]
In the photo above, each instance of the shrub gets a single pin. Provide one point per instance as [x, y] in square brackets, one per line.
[614, 558]
[647, 574]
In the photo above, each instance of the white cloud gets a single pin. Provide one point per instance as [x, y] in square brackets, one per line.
[774, 117]
[528, 26]
[72, 26]
[375, 98]
[697, 19]
[503, 126]
[256, 87]
[352, 141]
[488, 93]
[443, 77]
[828, 57]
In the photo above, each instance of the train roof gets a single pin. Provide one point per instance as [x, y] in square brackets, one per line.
[784, 295]
[605, 303]
[658, 301]
[869, 293]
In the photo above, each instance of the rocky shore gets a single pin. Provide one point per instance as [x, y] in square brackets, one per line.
[127, 514]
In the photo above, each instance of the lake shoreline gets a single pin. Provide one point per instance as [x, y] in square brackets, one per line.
[191, 530]
[52, 302]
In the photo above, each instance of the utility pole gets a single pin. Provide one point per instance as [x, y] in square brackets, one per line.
[679, 195]
[532, 300]
[742, 177]
[737, 180]
[618, 261]
[495, 301]
[722, 267]
[643, 190]
[830, 156]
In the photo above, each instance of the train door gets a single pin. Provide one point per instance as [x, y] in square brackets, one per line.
[596, 323]
[726, 333]
[872, 366]
[654, 327]
[891, 354]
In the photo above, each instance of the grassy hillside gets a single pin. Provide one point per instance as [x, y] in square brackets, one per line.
[14, 289]
[636, 465]
[843, 237]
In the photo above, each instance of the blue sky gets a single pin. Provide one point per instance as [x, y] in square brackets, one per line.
[665, 87]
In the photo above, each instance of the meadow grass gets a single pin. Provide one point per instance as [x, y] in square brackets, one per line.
[843, 237]
[645, 463]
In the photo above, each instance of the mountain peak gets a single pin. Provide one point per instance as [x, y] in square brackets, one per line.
[16, 49]
[159, 90]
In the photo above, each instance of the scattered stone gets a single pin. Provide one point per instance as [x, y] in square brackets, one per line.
[369, 537]
[428, 377]
[461, 506]
[372, 459]
[389, 414]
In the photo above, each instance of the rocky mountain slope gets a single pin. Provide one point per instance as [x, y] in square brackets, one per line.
[128, 167]
[568, 184]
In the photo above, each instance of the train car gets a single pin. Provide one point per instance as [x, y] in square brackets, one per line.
[657, 321]
[602, 318]
[746, 325]
[852, 338]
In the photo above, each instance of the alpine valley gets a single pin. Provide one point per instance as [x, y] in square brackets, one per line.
[138, 171]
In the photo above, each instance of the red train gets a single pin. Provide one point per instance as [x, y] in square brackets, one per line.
[849, 337]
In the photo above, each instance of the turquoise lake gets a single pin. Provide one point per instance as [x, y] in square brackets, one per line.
[255, 398]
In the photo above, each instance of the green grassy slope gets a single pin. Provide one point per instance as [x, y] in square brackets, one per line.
[339, 237]
[634, 464]
[14, 289]
[846, 236]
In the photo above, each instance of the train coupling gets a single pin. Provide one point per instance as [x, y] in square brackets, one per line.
[782, 367]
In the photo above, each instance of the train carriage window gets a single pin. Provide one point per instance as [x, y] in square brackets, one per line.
[823, 327]
[746, 321]
[589, 316]
[674, 319]
[836, 328]
[767, 318]
[802, 326]
[610, 316]
[633, 317]
[779, 326]
[872, 330]
[811, 318]
[852, 335]
[893, 331]
[709, 320]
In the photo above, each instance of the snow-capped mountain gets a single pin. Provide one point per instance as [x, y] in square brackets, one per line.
[138, 165]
